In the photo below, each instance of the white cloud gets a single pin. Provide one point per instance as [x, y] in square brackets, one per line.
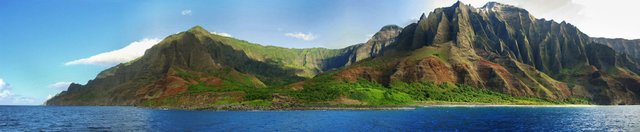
[49, 96]
[111, 58]
[2, 84]
[611, 18]
[23, 100]
[222, 34]
[549, 9]
[410, 21]
[9, 98]
[60, 85]
[186, 12]
[5, 94]
[5, 90]
[299, 35]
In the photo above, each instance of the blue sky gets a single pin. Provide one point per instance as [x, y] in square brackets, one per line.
[46, 44]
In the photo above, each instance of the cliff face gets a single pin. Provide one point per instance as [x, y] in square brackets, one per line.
[374, 47]
[629, 47]
[504, 48]
[500, 48]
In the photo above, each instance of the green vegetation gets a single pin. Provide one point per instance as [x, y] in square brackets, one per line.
[160, 102]
[325, 88]
[377, 96]
[427, 91]
[252, 93]
[226, 100]
[321, 88]
[229, 78]
[441, 51]
[200, 87]
[382, 62]
[372, 93]
[288, 58]
[582, 69]
[185, 74]
[257, 103]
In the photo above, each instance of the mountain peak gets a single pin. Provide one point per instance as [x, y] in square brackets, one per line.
[423, 16]
[390, 27]
[457, 4]
[198, 29]
[387, 32]
[497, 6]
[492, 4]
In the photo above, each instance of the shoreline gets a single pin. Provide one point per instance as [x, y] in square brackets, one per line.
[399, 107]
[470, 104]
[356, 108]
[514, 105]
[412, 106]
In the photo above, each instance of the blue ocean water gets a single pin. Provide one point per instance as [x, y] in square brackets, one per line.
[494, 118]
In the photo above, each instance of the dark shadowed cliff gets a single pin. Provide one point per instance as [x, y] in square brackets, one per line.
[629, 47]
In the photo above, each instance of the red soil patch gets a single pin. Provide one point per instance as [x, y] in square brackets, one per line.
[213, 81]
[297, 85]
[428, 69]
[173, 85]
[352, 74]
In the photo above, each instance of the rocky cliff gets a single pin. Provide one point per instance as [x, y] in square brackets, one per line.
[629, 47]
[504, 48]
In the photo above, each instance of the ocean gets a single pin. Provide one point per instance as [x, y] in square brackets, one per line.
[428, 118]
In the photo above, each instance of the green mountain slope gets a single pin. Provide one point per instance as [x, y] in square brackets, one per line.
[193, 63]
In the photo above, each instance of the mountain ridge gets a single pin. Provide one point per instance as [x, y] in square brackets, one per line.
[630, 47]
[199, 51]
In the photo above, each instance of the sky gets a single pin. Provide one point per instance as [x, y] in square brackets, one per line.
[45, 45]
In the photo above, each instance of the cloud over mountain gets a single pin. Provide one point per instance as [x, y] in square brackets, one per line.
[60, 85]
[186, 12]
[222, 34]
[111, 58]
[299, 35]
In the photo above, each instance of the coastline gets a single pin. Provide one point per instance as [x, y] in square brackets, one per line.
[471, 104]
[338, 107]
[509, 105]
[365, 107]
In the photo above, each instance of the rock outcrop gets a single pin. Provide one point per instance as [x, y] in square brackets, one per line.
[629, 47]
